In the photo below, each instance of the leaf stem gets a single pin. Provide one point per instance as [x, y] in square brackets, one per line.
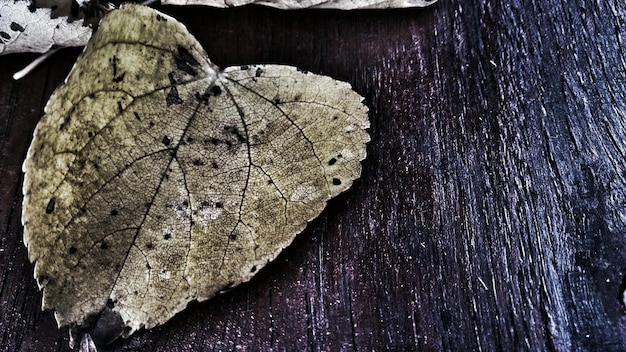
[26, 70]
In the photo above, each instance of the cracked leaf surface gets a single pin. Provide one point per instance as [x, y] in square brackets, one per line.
[155, 178]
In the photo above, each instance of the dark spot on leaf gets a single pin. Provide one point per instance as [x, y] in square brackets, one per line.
[218, 205]
[160, 18]
[297, 97]
[114, 212]
[92, 95]
[16, 27]
[204, 98]
[212, 140]
[198, 162]
[120, 109]
[104, 245]
[335, 117]
[216, 90]
[72, 250]
[270, 182]
[253, 269]
[89, 134]
[258, 72]
[303, 71]
[276, 101]
[167, 236]
[233, 237]
[113, 62]
[5, 35]
[186, 62]
[244, 67]
[148, 266]
[332, 161]
[171, 78]
[50, 206]
[149, 245]
[173, 98]
[166, 141]
[235, 131]
[336, 181]
[214, 165]
[137, 116]
[64, 123]
[119, 78]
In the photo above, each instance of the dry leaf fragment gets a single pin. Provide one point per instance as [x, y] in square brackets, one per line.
[24, 28]
[304, 4]
[39, 25]
[155, 179]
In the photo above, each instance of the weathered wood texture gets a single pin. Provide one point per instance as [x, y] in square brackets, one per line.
[492, 209]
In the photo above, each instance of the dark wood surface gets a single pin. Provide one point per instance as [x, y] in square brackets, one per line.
[491, 213]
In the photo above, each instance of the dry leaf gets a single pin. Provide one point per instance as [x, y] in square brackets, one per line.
[303, 4]
[24, 28]
[156, 179]
[39, 25]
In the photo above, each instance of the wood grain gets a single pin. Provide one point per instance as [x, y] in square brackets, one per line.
[491, 213]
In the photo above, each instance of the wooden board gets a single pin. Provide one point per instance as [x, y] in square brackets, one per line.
[491, 213]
